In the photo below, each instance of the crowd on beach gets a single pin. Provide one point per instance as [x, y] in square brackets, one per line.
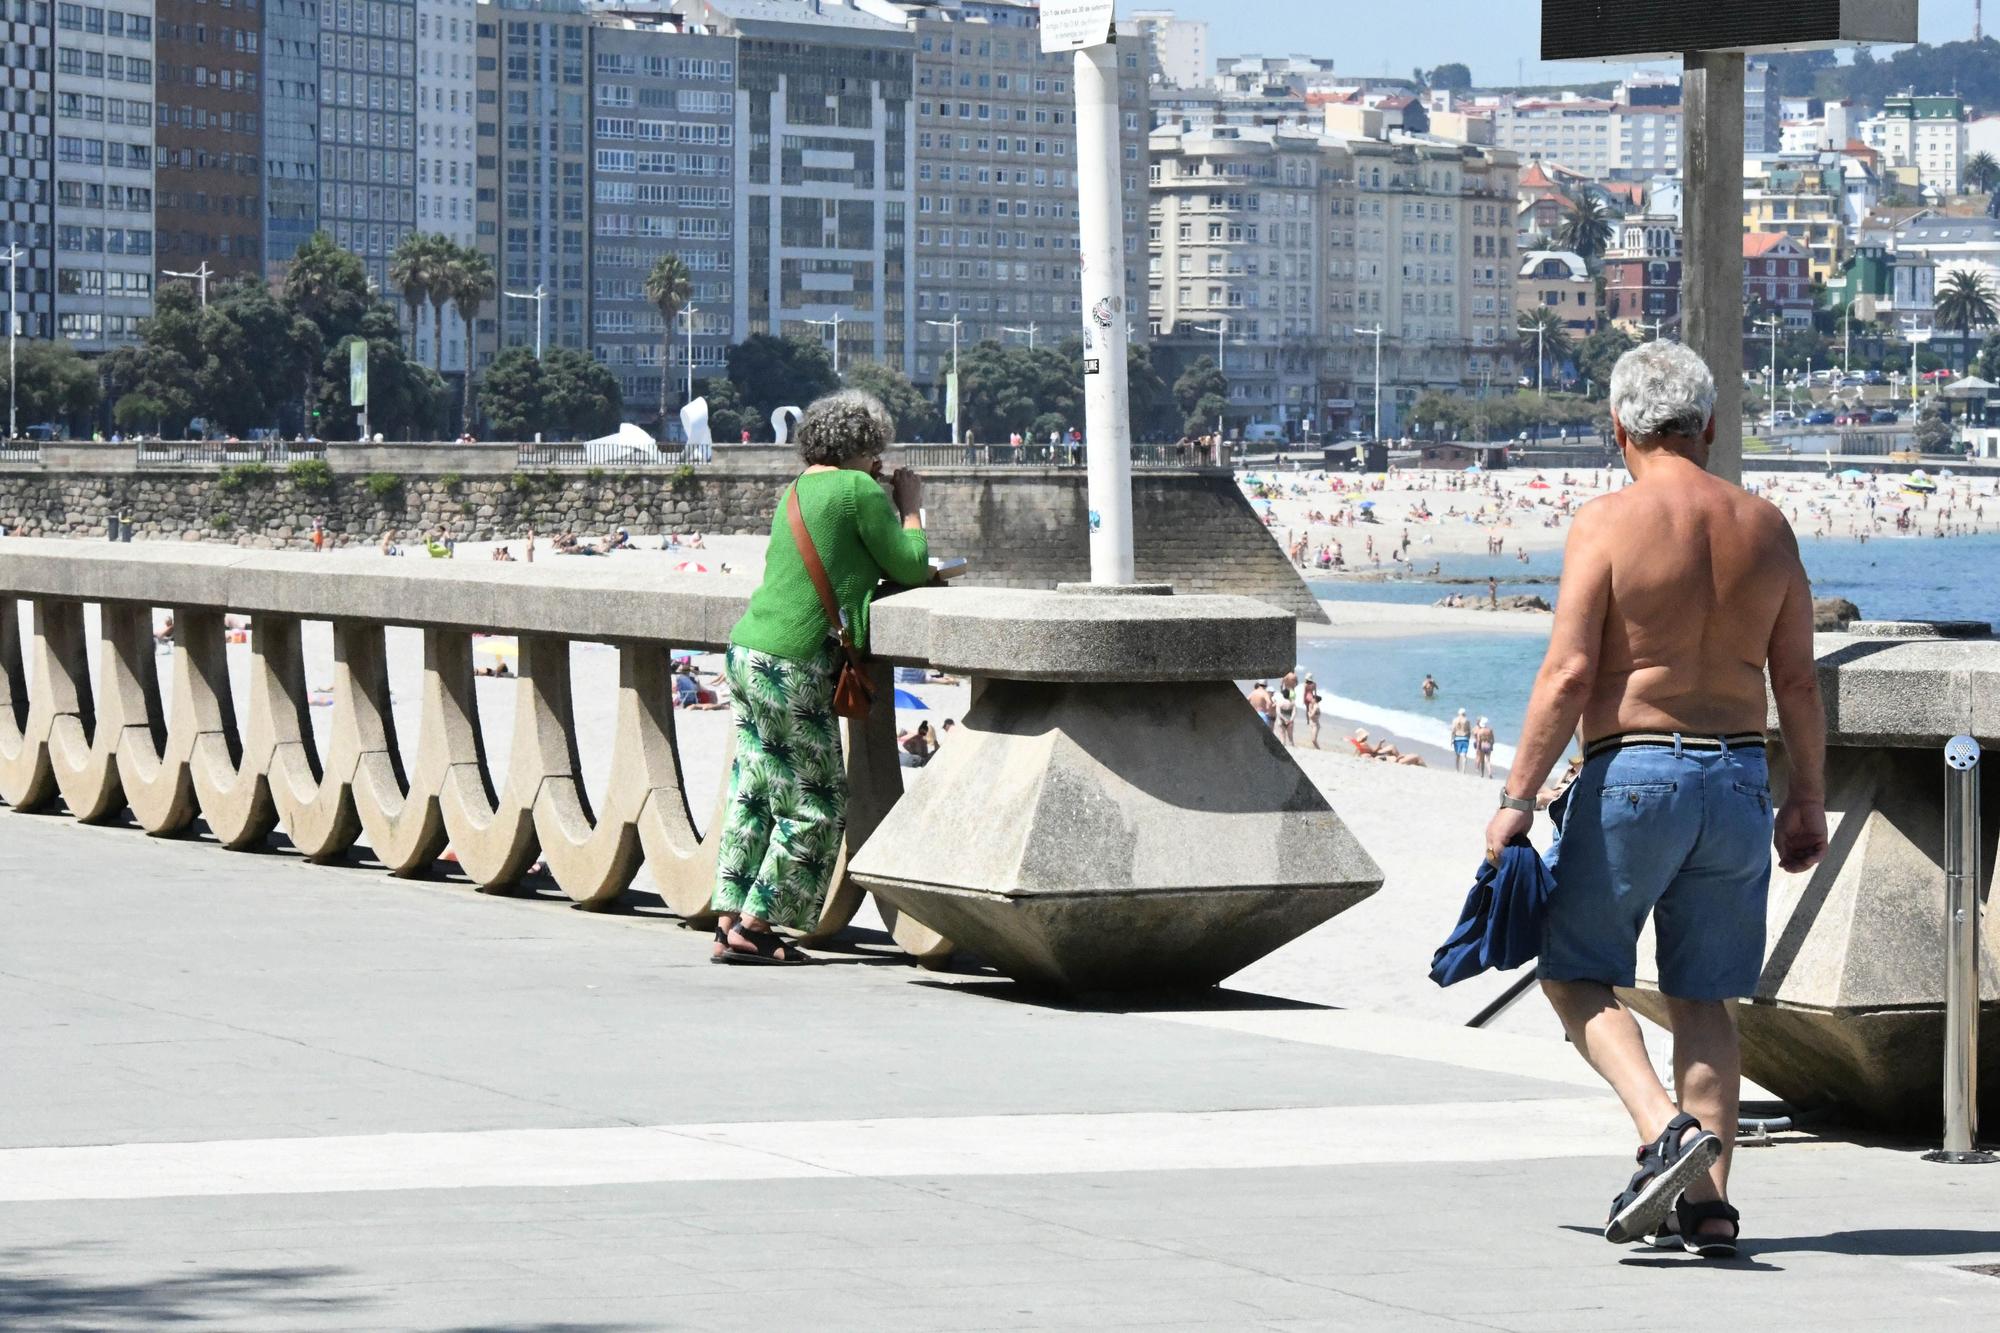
[1293, 708]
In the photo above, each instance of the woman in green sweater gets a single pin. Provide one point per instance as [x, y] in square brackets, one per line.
[787, 804]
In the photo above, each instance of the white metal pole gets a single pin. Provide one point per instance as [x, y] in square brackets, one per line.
[690, 312]
[13, 262]
[1106, 404]
[541, 298]
[1376, 333]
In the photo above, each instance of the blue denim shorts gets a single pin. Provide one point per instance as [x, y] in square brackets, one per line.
[1681, 834]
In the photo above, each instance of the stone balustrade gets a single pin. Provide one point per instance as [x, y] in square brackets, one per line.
[1158, 749]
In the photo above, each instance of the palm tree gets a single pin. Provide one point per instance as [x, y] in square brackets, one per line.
[413, 269]
[667, 287]
[1982, 172]
[1966, 299]
[1544, 325]
[1587, 230]
[467, 279]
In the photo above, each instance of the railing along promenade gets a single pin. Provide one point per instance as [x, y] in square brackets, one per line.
[1031, 830]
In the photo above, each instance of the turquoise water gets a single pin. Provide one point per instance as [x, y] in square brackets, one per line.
[1378, 680]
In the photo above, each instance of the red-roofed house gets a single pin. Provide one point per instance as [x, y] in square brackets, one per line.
[1777, 271]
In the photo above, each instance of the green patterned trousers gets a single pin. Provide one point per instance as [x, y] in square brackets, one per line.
[787, 806]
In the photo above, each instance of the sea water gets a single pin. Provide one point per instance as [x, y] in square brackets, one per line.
[1379, 681]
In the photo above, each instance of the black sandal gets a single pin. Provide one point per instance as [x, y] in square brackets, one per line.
[1690, 1216]
[764, 950]
[1667, 1166]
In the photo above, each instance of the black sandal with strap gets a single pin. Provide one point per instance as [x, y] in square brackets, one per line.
[1690, 1216]
[1667, 1166]
[764, 950]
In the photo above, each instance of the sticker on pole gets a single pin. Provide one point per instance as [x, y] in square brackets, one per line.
[1071, 25]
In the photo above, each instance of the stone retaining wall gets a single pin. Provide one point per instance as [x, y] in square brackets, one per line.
[1019, 527]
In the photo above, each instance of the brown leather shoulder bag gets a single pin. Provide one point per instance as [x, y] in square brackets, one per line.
[853, 690]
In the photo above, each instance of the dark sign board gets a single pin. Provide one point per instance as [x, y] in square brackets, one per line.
[1631, 29]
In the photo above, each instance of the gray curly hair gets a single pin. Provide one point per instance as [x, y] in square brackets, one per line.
[1662, 390]
[841, 425]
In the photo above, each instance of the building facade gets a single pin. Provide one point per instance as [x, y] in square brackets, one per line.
[208, 178]
[291, 129]
[103, 173]
[533, 159]
[1927, 133]
[1777, 276]
[1179, 50]
[995, 194]
[27, 195]
[368, 127]
[1642, 276]
[1763, 109]
[447, 53]
[662, 183]
[1558, 280]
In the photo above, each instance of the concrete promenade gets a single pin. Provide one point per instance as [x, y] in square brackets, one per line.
[241, 1092]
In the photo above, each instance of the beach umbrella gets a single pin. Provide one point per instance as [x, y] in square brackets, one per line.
[1261, 506]
[1853, 474]
[1475, 468]
[904, 699]
[1367, 504]
[690, 567]
[496, 645]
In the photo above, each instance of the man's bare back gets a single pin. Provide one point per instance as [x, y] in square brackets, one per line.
[1693, 574]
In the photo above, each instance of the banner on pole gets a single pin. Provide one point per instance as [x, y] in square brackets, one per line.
[951, 397]
[1071, 25]
[357, 373]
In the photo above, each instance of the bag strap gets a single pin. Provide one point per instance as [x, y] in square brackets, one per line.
[816, 569]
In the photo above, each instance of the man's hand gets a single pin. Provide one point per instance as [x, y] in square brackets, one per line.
[1506, 826]
[1800, 836]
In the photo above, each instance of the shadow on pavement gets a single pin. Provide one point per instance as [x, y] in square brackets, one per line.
[1215, 999]
[1901, 1243]
[32, 1296]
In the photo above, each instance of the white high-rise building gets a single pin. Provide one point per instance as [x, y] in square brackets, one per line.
[1180, 46]
[447, 62]
[1927, 133]
[103, 172]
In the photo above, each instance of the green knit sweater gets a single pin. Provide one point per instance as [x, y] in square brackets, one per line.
[860, 540]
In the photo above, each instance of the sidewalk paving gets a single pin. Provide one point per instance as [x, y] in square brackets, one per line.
[245, 1092]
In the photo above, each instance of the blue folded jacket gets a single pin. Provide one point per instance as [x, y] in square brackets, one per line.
[1501, 926]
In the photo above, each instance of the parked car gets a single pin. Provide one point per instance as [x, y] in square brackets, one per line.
[1783, 419]
[1885, 417]
[1820, 418]
[1877, 377]
[43, 431]
[1851, 419]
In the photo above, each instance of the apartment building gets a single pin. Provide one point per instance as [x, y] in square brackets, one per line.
[368, 127]
[447, 189]
[1642, 275]
[103, 172]
[662, 183]
[291, 129]
[1561, 281]
[1763, 109]
[1804, 201]
[995, 193]
[1580, 132]
[823, 159]
[1777, 275]
[533, 161]
[1179, 47]
[27, 194]
[1240, 262]
[208, 132]
[1927, 133]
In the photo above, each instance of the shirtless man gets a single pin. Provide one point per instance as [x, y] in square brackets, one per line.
[1260, 700]
[1678, 592]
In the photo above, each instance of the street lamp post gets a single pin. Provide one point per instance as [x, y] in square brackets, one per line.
[1917, 337]
[1221, 328]
[957, 406]
[200, 275]
[833, 324]
[538, 296]
[1656, 326]
[690, 312]
[1031, 331]
[13, 261]
[1771, 379]
[1376, 334]
[1541, 355]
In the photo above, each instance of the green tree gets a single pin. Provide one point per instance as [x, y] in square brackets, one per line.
[1005, 389]
[1933, 433]
[1597, 355]
[1966, 300]
[565, 395]
[917, 418]
[727, 417]
[1203, 415]
[414, 270]
[1451, 77]
[668, 287]
[1982, 172]
[771, 372]
[1543, 334]
[1154, 413]
[1202, 379]
[52, 382]
[1988, 366]
[1586, 229]
[468, 285]
[157, 378]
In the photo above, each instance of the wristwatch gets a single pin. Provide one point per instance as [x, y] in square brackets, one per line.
[1526, 807]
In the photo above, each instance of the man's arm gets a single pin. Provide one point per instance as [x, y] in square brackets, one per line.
[1569, 670]
[1800, 836]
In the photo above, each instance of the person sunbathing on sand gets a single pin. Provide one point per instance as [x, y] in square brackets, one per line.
[1384, 750]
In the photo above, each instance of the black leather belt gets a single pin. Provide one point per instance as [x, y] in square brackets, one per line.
[1626, 740]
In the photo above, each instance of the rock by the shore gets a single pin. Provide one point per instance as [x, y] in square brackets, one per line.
[1517, 602]
[1833, 614]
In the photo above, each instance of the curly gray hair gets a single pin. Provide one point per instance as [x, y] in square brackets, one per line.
[1662, 390]
[841, 425]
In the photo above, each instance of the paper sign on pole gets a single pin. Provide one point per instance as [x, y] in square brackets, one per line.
[1070, 25]
[357, 373]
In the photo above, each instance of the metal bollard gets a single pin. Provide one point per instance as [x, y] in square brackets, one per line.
[1961, 969]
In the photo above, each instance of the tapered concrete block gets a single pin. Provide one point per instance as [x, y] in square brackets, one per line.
[1104, 838]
